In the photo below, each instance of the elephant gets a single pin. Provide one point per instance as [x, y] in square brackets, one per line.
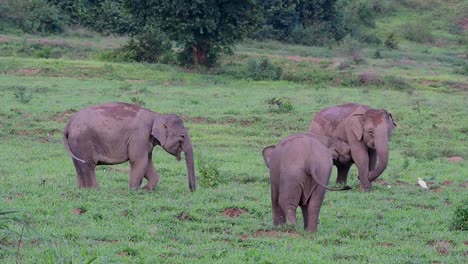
[113, 133]
[366, 130]
[300, 167]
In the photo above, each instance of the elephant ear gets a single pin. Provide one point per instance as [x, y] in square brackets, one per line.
[267, 154]
[355, 123]
[159, 130]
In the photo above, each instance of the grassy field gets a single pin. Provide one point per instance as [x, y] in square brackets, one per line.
[43, 81]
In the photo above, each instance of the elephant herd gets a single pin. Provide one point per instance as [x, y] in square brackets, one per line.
[300, 165]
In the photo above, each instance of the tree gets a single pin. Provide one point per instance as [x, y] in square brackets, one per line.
[203, 28]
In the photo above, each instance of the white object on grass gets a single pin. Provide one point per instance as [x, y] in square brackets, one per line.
[422, 184]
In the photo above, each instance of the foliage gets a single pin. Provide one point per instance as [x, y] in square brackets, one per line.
[263, 70]
[301, 22]
[279, 105]
[5, 218]
[208, 172]
[349, 48]
[22, 94]
[418, 32]
[391, 41]
[460, 217]
[35, 16]
[105, 16]
[202, 28]
[147, 46]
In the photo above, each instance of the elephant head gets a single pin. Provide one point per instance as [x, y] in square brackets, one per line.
[340, 151]
[373, 129]
[174, 138]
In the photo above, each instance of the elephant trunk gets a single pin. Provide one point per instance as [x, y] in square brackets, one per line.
[381, 148]
[188, 150]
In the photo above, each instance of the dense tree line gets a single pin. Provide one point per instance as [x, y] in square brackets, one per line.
[201, 28]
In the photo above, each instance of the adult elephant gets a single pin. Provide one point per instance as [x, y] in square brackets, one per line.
[366, 130]
[114, 133]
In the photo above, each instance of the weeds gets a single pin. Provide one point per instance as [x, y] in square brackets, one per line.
[460, 217]
[137, 101]
[279, 105]
[22, 95]
[208, 172]
[264, 70]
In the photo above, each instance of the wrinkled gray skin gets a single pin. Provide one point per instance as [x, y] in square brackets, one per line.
[366, 130]
[300, 167]
[114, 133]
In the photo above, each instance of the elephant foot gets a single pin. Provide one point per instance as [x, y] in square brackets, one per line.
[148, 188]
[365, 189]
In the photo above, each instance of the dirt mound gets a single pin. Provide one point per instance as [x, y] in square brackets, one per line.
[62, 117]
[234, 212]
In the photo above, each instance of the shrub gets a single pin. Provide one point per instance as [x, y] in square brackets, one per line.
[391, 41]
[35, 16]
[208, 172]
[350, 48]
[460, 217]
[22, 95]
[318, 34]
[264, 70]
[147, 47]
[279, 105]
[417, 32]
[370, 77]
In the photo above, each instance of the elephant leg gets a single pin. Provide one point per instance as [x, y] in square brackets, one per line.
[85, 174]
[343, 170]
[359, 153]
[372, 160]
[313, 209]
[278, 216]
[152, 177]
[305, 215]
[288, 202]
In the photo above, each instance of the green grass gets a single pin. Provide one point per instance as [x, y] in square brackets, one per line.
[44, 80]
[230, 122]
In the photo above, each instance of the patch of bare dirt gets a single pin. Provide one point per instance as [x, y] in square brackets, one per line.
[386, 244]
[459, 86]
[184, 216]
[442, 246]
[464, 184]
[32, 71]
[234, 212]
[436, 190]
[447, 183]
[466, 243]
[270, 233]
[463, 23]
[455, 159]
[78, 211]
[401, 183]
[62, 117]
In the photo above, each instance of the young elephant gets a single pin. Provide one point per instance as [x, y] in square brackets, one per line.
[300, 167]
[114, 133]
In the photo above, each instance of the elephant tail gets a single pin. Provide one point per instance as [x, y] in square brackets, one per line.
[67, 146]
[344, 188]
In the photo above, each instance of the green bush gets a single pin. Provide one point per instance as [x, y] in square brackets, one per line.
[417, 32]
[279, 105]
[349, 48]
[264, 70]
[35, 16]
[147, 47]
[391, 41]
[460, 217]
[22, 95]
[208, 172]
